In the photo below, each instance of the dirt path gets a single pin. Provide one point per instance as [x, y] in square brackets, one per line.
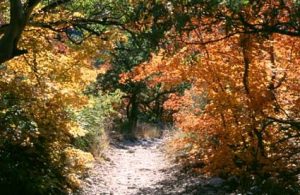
[131, 166]
[142, 168]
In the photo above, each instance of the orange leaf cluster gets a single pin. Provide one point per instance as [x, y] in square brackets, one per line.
[229, 129]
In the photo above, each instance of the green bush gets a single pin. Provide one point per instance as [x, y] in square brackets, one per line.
[96, 118]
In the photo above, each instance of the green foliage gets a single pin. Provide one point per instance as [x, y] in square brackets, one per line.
[108, 7]
[95, 119]
[236, 5]
[126, 57]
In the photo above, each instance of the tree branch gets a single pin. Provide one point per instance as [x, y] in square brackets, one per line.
[54, 5]
[294, 123]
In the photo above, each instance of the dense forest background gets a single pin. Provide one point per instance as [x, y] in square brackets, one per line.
[224, 73]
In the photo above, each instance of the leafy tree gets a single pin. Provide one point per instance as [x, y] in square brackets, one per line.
[140, 97]
[39, 85]
[127, 56]
[37, 90]
[240, 116]
[239, 60]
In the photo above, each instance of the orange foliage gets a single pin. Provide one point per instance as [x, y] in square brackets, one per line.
[230, 130]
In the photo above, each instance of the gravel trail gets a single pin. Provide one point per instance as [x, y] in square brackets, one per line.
[136, 168]
[130, 167]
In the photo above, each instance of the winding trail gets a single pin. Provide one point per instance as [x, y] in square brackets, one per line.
[134, 168]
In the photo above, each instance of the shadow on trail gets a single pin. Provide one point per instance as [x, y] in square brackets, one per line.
[127, 144]
[179, 183]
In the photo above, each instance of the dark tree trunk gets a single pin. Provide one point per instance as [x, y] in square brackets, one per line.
[132, 116]
[159, 109]
[19, 16]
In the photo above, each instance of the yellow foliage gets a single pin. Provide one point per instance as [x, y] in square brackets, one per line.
[77, 163]
[47, 82]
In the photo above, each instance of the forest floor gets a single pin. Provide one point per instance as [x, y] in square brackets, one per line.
[142, 167]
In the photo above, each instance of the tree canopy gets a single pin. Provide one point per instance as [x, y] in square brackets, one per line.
[225, 71]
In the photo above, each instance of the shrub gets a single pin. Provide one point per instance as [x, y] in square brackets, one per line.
[34, 148]
[96, 118]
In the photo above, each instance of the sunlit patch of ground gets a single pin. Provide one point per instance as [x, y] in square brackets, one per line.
[130, 166]
[142, 167]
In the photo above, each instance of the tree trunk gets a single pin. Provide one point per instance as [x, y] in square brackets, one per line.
[19, 16]
[133, 116]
